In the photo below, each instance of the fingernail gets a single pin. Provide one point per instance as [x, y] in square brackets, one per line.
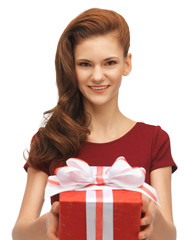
[54, 207]
[143, 222]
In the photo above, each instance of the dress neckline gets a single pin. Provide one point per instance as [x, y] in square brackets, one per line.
[118, 139]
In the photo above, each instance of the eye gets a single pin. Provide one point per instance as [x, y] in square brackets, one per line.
[84, 64]
[109, 63]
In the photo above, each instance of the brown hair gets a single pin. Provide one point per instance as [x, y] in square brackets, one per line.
[66, 126]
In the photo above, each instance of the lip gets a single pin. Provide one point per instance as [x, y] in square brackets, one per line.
[99, 89]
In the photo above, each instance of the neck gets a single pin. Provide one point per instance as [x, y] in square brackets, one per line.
[104, 118]
[106, 122]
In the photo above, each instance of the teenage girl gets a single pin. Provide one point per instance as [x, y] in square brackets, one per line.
[91, 58]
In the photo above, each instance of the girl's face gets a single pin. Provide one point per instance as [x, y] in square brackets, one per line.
[100, 65]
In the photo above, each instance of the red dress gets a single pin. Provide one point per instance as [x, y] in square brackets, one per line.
[144, 146]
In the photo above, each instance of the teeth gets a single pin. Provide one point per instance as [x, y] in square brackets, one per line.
[99, 88]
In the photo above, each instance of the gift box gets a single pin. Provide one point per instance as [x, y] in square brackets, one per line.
[99, 215]
[99, 203]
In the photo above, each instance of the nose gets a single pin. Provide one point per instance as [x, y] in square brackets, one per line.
[97, 74]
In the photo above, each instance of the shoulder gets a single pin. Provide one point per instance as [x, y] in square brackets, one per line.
[148, 127]
[154, 130]
[154, 135]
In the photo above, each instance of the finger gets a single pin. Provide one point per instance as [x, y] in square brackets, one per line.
[52, 237]
[53, 227]
[146, 220]
[146, 233]
[145, 203]
[55, 208]
[150, 214]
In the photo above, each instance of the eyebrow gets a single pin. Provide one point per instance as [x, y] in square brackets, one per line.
[110, 58]
[86, 60]
[83, 60]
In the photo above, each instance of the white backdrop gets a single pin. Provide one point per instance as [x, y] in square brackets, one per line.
[158, 91]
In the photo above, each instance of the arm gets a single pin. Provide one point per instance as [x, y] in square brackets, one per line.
[158, 221]
[29, 225]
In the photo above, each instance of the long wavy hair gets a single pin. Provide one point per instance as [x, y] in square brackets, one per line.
[66, 126]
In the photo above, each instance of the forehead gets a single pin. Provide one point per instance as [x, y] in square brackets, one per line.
[101, 45]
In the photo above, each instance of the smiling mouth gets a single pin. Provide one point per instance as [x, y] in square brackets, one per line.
[98, 87]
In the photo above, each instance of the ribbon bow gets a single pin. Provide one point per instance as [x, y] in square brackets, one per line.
[78, 175]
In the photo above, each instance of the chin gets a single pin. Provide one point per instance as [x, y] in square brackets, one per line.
[101, 101]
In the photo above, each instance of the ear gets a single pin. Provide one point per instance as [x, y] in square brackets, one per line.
[127, 65]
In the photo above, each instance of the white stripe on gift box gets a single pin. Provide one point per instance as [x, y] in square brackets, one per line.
[107, 214]
[90, 214]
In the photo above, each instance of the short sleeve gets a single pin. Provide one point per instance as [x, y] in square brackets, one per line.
[161, 150]
[44, 167]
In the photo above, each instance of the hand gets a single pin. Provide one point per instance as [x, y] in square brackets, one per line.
[53, 222]
[148, 217]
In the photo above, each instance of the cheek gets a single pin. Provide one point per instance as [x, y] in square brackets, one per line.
[116, 75]
[82, 76]
[79, 79]
[82, 81]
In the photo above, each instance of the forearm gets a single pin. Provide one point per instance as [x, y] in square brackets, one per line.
[162, 229]
[30, 230]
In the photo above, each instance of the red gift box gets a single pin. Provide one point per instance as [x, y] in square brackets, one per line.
[125, 214]
[106, 204]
